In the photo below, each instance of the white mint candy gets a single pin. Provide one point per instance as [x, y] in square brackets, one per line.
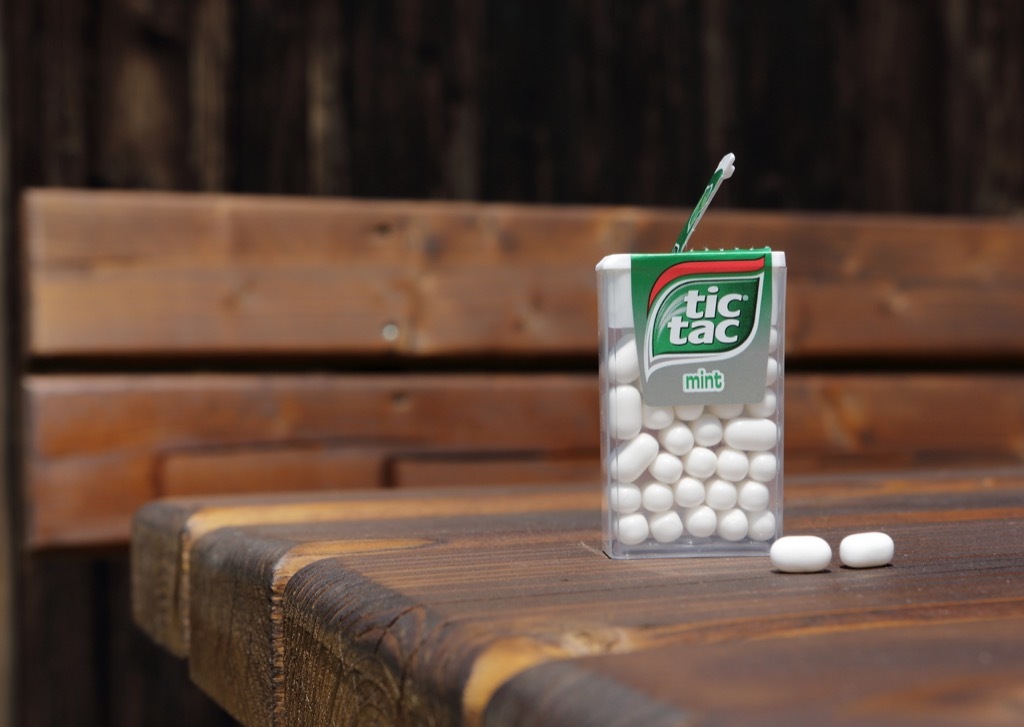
[625, 411]
[657, 417]
[700, 462]
[751, 435]
[632, 458]
[800, 554]
[666, 468]
[763, 466]
[689, 492]
[688, 412]
[658, 497]
[726, 411]
[676, 438]
[732, 525]
[707, 430]
[866, 550]
[773, 340]
[701, 521]
[772, 373]
[732, 464]
[720, 494]
[666, 526]
[752, 496]
[764, 408]
[623, 363]
[632, 529]
[761, 525]
[624, 497]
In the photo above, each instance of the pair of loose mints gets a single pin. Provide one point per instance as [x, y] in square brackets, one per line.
[811, 554]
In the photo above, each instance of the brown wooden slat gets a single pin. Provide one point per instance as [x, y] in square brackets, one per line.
[920, 417]
[933, 674]
[413, 471]
[190, 274]
[252, 469]
[425, 608]
[99, 447]
[164, 533]
[160, 274]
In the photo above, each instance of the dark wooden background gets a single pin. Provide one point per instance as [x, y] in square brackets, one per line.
[874, 105]
[880, 105]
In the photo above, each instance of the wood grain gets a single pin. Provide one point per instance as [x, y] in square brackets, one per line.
[99, 447]
[630, 105]
[479, 612]
[102, 446]
[210, 58]
[115, 274]
[568, 103]
[974, 678]
[164, 533]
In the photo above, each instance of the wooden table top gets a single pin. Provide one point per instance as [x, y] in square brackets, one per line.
[497, 607]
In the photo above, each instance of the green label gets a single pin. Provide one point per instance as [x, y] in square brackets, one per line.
[702, 321]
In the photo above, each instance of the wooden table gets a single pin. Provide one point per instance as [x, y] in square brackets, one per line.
[497, 607]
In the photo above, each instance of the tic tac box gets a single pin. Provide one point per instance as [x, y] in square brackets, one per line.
[691, 357]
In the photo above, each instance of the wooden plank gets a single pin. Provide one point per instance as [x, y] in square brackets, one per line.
[164, 533]
[210, 68]
[907, 417]
[490, 608]
[138, 682]
[327, 129]
[270, 129]
[446, 471]
[882, 678]
[138, 110]
[443, 610]
[980, 33]
[98, 447]
[572, 130]
[203, 278]
[223, 471]
[160, 274]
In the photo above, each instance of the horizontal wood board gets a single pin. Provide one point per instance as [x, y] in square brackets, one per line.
[474, 614]
[99, 447]
[171, 274]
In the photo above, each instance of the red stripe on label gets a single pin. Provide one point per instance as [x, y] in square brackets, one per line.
[680, 270]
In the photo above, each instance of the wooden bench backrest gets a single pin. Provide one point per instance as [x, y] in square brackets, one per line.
[188, 344]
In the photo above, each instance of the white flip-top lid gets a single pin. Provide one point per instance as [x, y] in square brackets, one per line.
[624, 261]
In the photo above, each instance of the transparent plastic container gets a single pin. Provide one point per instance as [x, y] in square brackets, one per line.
[692, 407]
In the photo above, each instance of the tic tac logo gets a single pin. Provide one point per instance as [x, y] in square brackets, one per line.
[703, 310]
[710, 315]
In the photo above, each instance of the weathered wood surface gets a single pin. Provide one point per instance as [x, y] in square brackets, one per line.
[119, 277]
[159, 275]
[884, 106]
[496, 607]
[102, 446]
[99, 447]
